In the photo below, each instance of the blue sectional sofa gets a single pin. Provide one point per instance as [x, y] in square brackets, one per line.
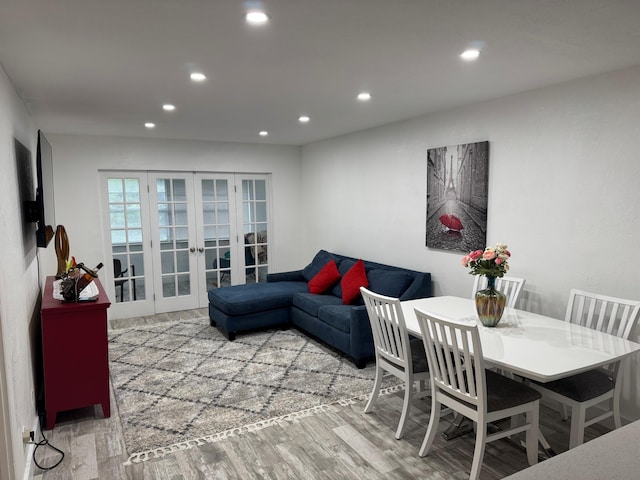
[285, 300]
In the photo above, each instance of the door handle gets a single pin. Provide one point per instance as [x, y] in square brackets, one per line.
[201, 249]
[192, 249]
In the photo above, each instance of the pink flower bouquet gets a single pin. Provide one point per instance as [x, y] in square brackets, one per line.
[492, 262]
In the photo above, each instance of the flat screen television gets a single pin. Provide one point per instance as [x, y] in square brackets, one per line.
[44, 208]
[25, 171]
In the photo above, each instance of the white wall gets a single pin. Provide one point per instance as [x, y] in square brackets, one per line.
[563, 192]
[78, 158]
[19, 291]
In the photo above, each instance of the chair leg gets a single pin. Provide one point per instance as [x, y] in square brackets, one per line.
[616, 406]
[578, 418]
[376, 389]
[478, 452]
[434, 420]
[406, 407]
[533, 420]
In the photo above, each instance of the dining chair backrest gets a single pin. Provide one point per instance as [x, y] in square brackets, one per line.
[390, 335]
[455, 359]
[510, 286]
[395, 353]
[615, 316]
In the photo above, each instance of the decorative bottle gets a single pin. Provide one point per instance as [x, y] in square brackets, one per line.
[87, 278]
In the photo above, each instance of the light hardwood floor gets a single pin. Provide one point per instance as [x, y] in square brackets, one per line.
[339, 443]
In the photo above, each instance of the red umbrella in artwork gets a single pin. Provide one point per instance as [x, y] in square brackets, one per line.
[451, 222]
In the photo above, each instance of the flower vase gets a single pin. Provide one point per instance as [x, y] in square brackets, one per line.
[490, 304]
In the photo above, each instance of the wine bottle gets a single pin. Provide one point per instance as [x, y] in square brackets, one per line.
[87, 278]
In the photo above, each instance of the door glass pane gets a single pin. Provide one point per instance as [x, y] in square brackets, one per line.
[116, 215]
[134, 218]
[181, 214]
[261, 190]
[125, 221]
[166, 238]
[163, 190]
[208, 191]
[167, 262]
[179, 190]
[165, 214]
[184, 285]
[261, 211]
[168, 287]
[182, 260]
[132, 190]
[135, 237]
[115, 190]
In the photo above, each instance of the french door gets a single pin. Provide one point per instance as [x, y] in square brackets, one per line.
[176, 235]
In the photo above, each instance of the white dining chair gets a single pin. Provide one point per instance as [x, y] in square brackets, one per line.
[460, 381]
[599, 388]
[510, 286]
[395, 353]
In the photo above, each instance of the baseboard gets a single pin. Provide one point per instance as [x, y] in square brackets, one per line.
[29, 451]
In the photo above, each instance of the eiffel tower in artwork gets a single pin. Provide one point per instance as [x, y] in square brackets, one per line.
[450, 191]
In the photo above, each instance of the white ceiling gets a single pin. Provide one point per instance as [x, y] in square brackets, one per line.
[105, 67]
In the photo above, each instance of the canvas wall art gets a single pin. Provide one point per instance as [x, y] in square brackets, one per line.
[457, 192]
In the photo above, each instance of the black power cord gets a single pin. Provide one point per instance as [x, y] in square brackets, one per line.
[45, 443]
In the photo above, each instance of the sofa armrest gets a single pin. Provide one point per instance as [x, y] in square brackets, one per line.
[293, 276]
[361, 336]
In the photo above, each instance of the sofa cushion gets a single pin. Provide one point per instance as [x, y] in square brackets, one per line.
[337, 316]
[325, 278]
[388, 282]
[343, 267]
[351, 282]
[311, 303]
[319, 261]
[254, 297]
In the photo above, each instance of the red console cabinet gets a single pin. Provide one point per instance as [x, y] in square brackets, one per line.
[74, 353]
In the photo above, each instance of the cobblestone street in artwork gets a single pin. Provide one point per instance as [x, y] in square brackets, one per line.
[471, 237]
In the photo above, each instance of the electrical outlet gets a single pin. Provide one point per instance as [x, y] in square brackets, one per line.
[27, 435]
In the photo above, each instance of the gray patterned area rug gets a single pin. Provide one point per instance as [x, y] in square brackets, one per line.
[180, 384]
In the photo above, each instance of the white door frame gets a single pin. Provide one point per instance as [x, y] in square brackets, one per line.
[198, 259]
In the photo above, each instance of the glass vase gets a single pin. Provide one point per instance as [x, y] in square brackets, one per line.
[490, 304]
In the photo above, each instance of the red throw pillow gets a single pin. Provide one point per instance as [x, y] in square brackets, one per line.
[355, 278]
[325, 278]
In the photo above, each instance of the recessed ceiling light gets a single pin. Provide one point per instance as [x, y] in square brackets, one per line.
[198, 77]
[167, 107]
[256, 17]
[470, 54]
[150, 125]
[264, 133]
[364, 96]
[303, 119]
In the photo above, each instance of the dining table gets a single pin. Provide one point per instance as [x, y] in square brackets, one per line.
[530, 345]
